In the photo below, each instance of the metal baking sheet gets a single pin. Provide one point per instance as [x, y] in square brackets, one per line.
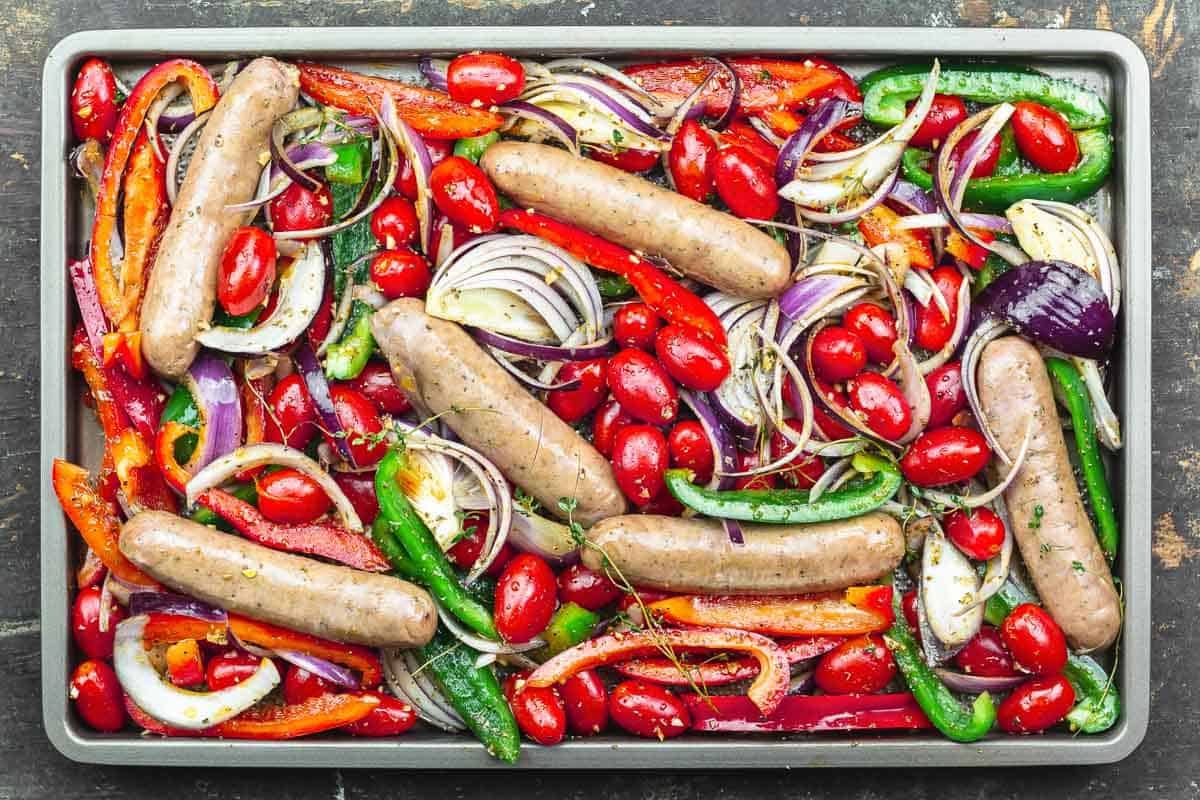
[1108, 62]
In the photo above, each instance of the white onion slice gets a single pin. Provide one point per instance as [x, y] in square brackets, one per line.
[405, 687]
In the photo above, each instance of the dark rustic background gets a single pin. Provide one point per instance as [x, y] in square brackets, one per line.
[1167, 765]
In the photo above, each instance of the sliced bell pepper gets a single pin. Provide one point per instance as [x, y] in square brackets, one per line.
[803, 713]
[431, 113]
[846, 613]
[254, 416]
[880, 225]
[173, 473]
[123, 350]
[968, 252]
[185, 667]
[766, 692]
[317, 714]
[666, 296]
[146, 213]
[784, 123]
[719, 673]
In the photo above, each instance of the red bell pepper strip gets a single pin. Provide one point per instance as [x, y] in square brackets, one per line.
[967, 252]
[123, 350]
[146, 213]
[317, 714]
[151, 725]
[667, 297]
[431, 113]
[164, 455]
[766, 692]
[323, 539]
[879, 225]
[203, 91]
[807, 713]
[718, 673]
[855, 611]
[185, 666]
[784, 123]
[254, 413]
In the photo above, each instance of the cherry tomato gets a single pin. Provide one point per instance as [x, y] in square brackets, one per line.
[805, 469]
[634, 325]
[608, 421]
[586, 701]
[745, 184]
[300, 685]
[575, 403]
[945, 455]
[359, 488]
[985, 655]
[525, 598]
[978, 534]
[1033, 637]
[464, 194]
[641, 386]
[394, 223]
[391, 717]
[945, 113]
[629, 160]
[540, 712]
[401, 273]
[748, 461]
[909, 605]
[466, 551]
[665, 505]
[247, 270]
[98, 697]
[85, 623]
[932, 330]
[857, 666]
[639, 460]
[881, 404]
[744, 135]
[298, 209]
[584, 587]
[230, 668]
[946, 393]
[406, 179]
[877, 329]
[290, 497]
[94, 102]
[485, 79]
[691, 359]
[1036, 705]
[1044, 137]
[292, 417]
[691, 162]
[690, 449]
[648, 710]
[838, 354]
[376, 382]
[985, 167]
[361, 424]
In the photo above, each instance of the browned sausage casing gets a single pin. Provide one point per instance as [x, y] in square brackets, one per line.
[300, 593]
[1057, 544]
[442, 370]
[695, 555]
[230, 155]
[709, 245]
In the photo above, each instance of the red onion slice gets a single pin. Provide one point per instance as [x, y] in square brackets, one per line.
[797, 147]
[558, 127]
[546, 538]
[413, 147]
[172, 168]
[327, 670]
[405, 687]
[141, 602]
[211, 383]
[318, 389]
[912, 197]
[722, 443]
[735, 96]
[434, 71]
[978, 684]
[605, 71]
[544, 352]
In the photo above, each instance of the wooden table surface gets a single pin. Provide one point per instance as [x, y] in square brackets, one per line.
[1168, 763]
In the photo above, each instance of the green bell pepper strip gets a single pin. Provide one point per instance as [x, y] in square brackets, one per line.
[393, 551]
[1009, 162]
[474, 692]
[939, 704]
[181, 408]
[351, 167]
[612, 287]
[1075, 396]
[347, 357]
[996, 194]
[570, 625]
[886, 92]
[791, 506]
[430, 564]
[472, 148]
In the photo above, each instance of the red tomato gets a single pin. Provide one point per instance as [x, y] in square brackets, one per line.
[986, 165]
[575, 403]
[540, 712]
[634, 325]
[909, 605]
[485, 79]
[691, 359]
[946, 455]
[300, 685]
[630, 160]
[830, 426]
[1044, 137]
[464, 194]
[857, 666]
[978, 534]
[608, 421]
[838, 354]
[401, 273]
[525, 598]
[292, 417]
[584, 587]
[391, 717]
[881, 404]
[945, 113]
[467, 549]
[877, 329]
[648, 710]
[94, 102]
[359, 488]
[85, 623]
[665, 505]
[805, 469]
[290, 497]
[586, 702]
[247, 270]
[230, 668]
[298, 209]
[639, 460]
[744, 135]
[946, 393]
[395, 223]
[985, 655]
[376, 382]
[745, 184]
[747, 462]
[1033, 637]
[932, 330]
[361, 424]
[1036, 705]
[406, 180]
[690, 449]
[691, 162]
[98, 697]
[641, 386]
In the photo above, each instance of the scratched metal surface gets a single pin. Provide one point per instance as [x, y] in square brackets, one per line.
[1166, 765]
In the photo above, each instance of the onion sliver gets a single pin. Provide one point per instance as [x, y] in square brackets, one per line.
[215, 392]
[948, 581]
[404, 686]
[476, 642]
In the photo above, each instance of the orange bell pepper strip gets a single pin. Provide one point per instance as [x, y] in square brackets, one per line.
[146, 213]
[846, 613]
[719, 673]
[968, 252]
[878, 226]
[317, 714]
[173, 473]
[666, 296]
[766, 692]
[784, 123]
[185, 666]
[123, 349]
[431, 113]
